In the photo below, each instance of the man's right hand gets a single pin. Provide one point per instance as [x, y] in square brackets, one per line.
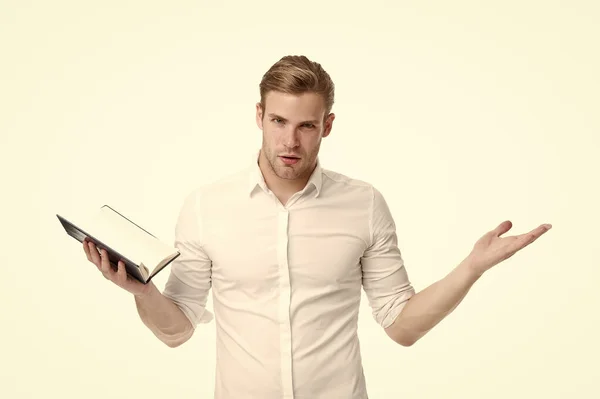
[119, 276]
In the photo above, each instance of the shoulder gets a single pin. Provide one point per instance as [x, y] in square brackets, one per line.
[342, 179]
[348, 184]
[360, 192]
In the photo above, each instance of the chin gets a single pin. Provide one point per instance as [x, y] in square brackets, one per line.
[287, 173]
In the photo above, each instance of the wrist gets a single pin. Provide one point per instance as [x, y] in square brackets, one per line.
[146, 291]
[470, 269]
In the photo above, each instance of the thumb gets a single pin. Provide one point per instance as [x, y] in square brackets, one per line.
[502, 228]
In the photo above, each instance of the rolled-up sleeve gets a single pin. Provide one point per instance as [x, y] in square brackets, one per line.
[189, 281]
[384, 276]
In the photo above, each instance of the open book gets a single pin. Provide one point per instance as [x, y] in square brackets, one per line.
[143, 254]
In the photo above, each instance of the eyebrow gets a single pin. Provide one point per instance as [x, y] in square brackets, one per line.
[272, 115]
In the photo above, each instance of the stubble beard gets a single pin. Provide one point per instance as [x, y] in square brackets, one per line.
[302, 169]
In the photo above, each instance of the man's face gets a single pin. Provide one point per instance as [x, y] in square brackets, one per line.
[293, 126]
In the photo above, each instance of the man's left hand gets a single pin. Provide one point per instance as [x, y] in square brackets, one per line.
[492, 249]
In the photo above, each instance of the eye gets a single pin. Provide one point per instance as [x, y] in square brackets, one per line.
[277, 120]
[309, 125]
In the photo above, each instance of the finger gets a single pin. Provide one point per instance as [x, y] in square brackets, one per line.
[94, 254]
[538, 231]
[105, 265]
[104, 262]
[86, 249]
[125, 280]
[121, 275]
[526, 239]
[502, 228]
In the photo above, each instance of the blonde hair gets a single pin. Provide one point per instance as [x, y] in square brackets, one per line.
[296, 74]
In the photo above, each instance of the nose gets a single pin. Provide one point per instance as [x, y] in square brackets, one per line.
[291, 138]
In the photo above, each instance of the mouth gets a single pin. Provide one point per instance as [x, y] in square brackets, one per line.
[289, 159]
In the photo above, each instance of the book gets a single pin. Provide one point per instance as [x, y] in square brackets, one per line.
[143, 254]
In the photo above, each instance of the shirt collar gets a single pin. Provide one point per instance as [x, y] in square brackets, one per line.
[256, 178]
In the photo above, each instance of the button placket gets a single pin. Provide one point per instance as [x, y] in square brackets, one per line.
[284, 302]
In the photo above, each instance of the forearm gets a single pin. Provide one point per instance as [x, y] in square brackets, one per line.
[431, 305]
[163, 317]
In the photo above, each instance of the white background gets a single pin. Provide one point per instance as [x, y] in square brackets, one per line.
[463, 114]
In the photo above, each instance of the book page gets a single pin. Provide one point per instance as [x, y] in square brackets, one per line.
[128, 239]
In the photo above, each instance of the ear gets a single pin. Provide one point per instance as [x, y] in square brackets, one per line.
[328, 124]
[259, 116]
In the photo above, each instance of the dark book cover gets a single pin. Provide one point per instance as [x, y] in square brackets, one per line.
[80, 235]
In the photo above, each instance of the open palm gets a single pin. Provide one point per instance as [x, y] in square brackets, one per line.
[492, 249]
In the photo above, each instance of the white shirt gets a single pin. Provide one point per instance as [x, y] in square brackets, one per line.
[286, 281]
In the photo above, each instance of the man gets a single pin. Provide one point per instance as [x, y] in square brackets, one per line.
[286, 247]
